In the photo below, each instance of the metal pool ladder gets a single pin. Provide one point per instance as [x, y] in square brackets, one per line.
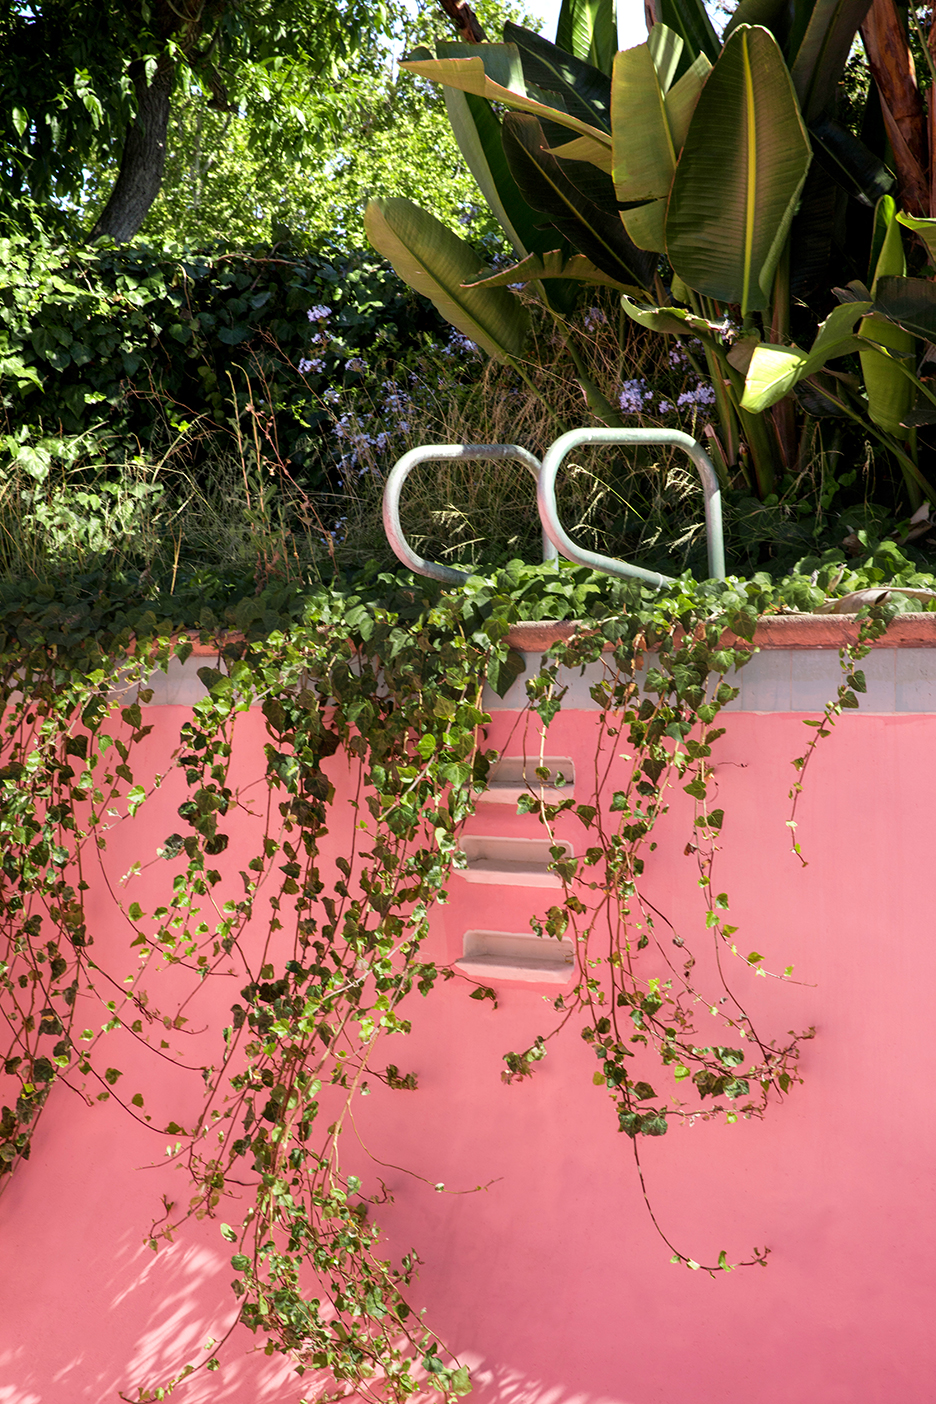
[555, 538]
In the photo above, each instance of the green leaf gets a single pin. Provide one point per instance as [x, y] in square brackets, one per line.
[849, 161]
[926, 228]
[774, 370]
[725, 232]
[494, 72]
[459, 1381]
[649, 127]
[436, 262]
[682, 98]
[539, 267]
[503, 672]
[766, 13]
[643, 151]
[478, 132]
[890, 392]
[911, 302]
[689, 19]
[643, 1091]
[666, 49]
[583, 90]
[588, 29]
[675, 321]
[548, 185]
[819, 62]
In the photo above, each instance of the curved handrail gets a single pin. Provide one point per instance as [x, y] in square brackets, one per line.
[436, 453]
[552, 527]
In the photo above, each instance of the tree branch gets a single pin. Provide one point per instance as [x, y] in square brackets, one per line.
[465, 21]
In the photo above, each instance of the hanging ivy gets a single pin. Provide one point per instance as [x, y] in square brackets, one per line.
[392, 675]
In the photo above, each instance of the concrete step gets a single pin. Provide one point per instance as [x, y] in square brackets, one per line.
[515, 955]
[510, 862]
[514, 776]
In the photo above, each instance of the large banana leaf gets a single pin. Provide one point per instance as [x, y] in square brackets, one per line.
[848, 160]
[769, 14]
[926, 228]
[816, 37]
[819, 62]
[666, 49]
[584, 91]
[643, 152]
[588, 29]
[911, 302]
[812, 231]
[889, 391]
[689, 18]
[675, 321]
[648, 130]
[740, 174]
[436, 263]
[682, 98]
[774, 370]
[548, 185]
[585, 149]
[494, 72]
[538, 268]
[478, 133]
[502, 62]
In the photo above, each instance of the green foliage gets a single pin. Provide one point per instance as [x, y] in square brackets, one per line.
[708, 155]
[68, 70]
[143, 344]
[367, 665]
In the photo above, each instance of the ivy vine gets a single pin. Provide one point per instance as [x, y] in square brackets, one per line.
[392, 674]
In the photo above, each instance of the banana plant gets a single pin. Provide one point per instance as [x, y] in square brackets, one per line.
[693, 176]
[888, 327]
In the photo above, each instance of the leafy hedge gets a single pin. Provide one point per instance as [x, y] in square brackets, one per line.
[134, 343]
[100, 610]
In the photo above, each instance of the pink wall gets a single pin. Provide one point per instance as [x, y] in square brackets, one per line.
[551, 1283]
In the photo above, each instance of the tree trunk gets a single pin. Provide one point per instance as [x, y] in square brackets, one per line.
[144, 156]
[892, 69]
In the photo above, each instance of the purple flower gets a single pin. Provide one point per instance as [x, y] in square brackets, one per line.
[634, 395]
[458, 343]
[318, 313]
[703, 394]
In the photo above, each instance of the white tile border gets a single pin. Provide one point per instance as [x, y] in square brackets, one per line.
[795, 668]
